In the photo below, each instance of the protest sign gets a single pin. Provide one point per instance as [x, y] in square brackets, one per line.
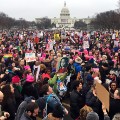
[30, 57]
[62, 65]
[103, 95]
[85, 44]
[56, 37]
[7, 55]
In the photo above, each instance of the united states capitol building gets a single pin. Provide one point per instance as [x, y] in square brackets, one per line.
[65, 21]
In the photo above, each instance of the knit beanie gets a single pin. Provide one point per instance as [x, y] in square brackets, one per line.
[15, 79]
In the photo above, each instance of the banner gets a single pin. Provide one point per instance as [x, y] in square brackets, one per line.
[30, 57]
[7, 55]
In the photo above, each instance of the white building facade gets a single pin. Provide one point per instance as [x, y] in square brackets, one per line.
[65, 21]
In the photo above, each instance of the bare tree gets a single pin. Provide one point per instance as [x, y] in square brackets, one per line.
[107, 20]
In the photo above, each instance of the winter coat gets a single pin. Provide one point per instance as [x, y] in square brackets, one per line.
[29, 90]
[94, 103]
[22, 107]
[53, 100]
[10, 107]
[26, 117]
[114, 107]
[77, 101]
[18, 96]
[78, 67]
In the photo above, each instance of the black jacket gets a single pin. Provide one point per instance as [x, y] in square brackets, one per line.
[22, 107]
[29, 90]
[10, 107]
[114, 107]
[94, 103]
[77, 101]
[18, 96]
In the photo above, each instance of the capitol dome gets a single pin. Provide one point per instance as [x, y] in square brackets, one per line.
[65, 11]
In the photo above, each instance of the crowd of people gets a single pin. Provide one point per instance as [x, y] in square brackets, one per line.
[66, 65]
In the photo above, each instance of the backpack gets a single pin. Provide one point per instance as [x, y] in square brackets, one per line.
[45, 117]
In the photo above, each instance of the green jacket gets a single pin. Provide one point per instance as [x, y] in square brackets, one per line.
[53, 81]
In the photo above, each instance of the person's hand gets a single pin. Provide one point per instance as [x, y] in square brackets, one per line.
[3, 118]
[2, 75]
[66, 111]
[104, 108]
[94, 93]
[6, 114]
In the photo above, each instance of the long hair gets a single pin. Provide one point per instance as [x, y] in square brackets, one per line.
[84, 111]
[66, 61]
[7, 94]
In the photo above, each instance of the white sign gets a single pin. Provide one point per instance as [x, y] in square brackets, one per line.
[85, 44]
[29, 57]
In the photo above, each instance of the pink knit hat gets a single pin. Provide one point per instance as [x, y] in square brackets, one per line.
[29, 78]
[26, 67]
[15, 79]
[85, 52]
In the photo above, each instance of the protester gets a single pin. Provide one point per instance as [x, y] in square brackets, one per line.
[9, 103]
[52, 99]
[22, 107]
[30, 59]
[94, 116]
[77, 99]
[3, 115]
[115, 104]
[57, 114]
[31, 112]
[94, 102]
[17, 90]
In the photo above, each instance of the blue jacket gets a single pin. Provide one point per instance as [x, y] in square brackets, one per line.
[52, 101]
[78, 67]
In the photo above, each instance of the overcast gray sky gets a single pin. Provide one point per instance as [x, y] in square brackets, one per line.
[31, 9]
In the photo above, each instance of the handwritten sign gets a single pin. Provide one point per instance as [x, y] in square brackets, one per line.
[85, 44]
[30, 57]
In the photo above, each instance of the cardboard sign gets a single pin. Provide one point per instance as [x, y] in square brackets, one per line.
[103, 95]
[30, 57]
